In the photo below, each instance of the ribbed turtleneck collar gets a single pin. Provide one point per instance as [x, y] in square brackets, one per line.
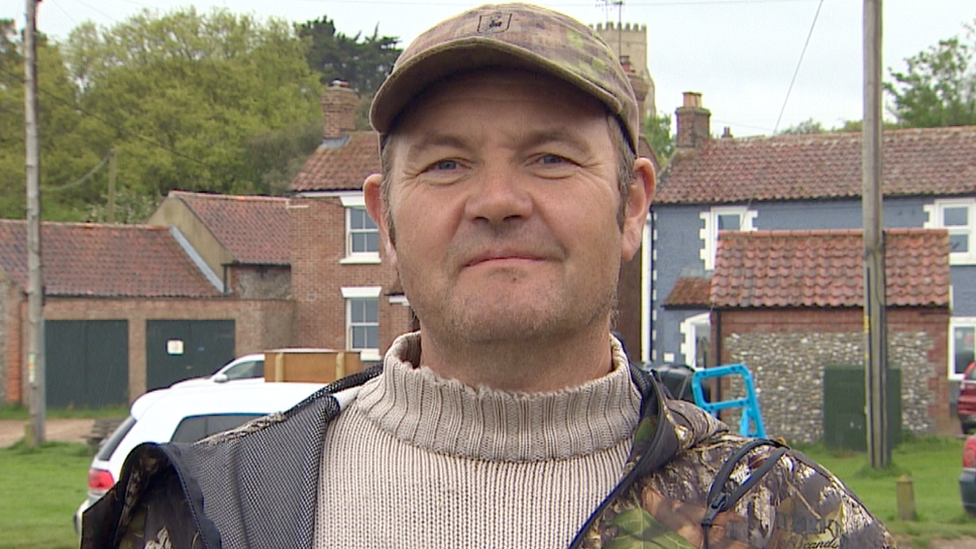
[419, 407]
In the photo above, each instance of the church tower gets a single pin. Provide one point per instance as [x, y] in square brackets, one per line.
[629, 42]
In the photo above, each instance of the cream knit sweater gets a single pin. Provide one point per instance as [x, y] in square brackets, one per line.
[417, 461]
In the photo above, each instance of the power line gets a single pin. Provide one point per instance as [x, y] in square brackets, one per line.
[798, 63]
[84, 178]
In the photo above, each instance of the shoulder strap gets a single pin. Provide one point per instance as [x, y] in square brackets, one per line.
[720, 499]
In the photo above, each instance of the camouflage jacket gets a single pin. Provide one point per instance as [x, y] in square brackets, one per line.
[256, 487]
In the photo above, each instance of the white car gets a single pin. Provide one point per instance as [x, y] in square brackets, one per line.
[185, 414]
[247, 367]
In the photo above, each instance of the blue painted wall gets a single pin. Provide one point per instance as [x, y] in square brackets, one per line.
[677, 246]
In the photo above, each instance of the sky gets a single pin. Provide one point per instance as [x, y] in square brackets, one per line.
[741, 55]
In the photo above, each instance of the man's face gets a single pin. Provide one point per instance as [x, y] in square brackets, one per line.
[504, 195]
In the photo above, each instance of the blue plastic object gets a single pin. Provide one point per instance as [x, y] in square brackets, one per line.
[751, 424]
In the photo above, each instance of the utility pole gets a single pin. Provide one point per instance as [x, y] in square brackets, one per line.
[35, 290]
[875, 325]
[111, 185]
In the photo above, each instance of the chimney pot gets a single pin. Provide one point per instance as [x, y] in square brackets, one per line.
[693, 122]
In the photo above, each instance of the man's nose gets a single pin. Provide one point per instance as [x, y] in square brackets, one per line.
[499, 194]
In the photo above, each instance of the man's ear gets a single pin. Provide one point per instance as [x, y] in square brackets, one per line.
[378, 208]
[643, 182]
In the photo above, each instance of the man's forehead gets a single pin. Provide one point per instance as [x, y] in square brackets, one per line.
[503, 87]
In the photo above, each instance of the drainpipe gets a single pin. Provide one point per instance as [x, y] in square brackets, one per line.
[718, 353]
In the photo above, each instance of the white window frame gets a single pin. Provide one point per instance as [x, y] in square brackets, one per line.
[709, 233]
[957, 322]
[690, 328]
[936, 212]
[362, 292]
[356, 202]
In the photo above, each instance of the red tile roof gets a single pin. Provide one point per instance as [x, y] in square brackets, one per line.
[104, 261]
[690, 291]
[255, 229]
[931, 161]
[825, 269]
[340, 168]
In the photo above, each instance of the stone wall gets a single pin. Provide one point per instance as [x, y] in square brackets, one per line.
[260, 282]
[788, 369]
[788, 350]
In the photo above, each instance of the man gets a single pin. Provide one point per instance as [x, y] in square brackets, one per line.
[510, 194]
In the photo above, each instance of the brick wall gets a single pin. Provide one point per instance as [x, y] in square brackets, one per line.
[318, 276]
[258, 325]
[787, 350]
[9, 304]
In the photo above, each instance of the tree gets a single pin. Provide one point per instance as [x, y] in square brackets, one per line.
[657, 130]
[65, 151]
[180, 95]
[335, 56]
[278, 155]
[808, 126]
[938, 87]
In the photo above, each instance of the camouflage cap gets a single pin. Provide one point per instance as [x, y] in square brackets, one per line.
[509, 35]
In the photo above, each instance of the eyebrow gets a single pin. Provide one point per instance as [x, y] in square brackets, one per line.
[436, 139]
[556, 135]
[531, 138]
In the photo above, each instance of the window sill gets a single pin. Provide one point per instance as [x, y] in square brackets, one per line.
[369, 355]
[365, 259]
[962, 259]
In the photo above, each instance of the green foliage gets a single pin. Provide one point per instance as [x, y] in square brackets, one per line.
[362, 64]
[657, 130]
[65, 154]
[278, 155]
[938, 86]
[808, 126]
[180, 95]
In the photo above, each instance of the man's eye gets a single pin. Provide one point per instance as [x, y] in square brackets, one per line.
[443, 165]
[553, 159]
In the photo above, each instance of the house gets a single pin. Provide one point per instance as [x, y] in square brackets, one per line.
[240, 243]
[789, 304]
[345, 296]
[126, 310]
[799, 182]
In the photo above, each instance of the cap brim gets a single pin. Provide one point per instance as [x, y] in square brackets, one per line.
[463, 55]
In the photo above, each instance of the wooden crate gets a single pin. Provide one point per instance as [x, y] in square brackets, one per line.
[310, 365]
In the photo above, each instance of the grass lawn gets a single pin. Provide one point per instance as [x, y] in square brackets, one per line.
[40, 490]
[934, 463]
[22, 413]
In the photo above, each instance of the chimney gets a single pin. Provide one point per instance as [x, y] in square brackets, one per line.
[693, 122]
[339, 104]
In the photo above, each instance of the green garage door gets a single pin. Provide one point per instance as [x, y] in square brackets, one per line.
[181, 349]
[87, 363]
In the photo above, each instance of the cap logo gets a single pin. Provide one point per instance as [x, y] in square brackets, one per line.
[496, 22]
